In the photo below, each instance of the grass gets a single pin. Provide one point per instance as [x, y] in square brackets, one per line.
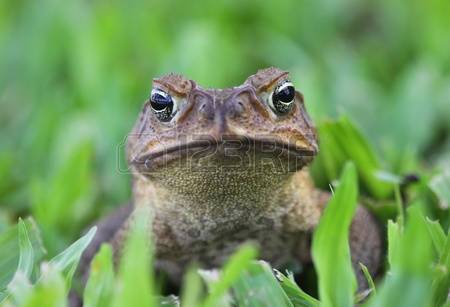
[375, 77]
[417, 270]
[330, 247]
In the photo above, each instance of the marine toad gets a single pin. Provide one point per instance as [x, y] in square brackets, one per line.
[219, 167]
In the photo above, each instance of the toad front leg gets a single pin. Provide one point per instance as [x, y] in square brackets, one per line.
[306, 205]
[366, 245]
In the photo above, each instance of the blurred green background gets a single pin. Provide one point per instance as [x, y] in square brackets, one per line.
[74, 75]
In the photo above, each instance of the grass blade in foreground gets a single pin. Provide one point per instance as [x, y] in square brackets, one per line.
[230, 274]
[437, 235]
[134, 285]
[50, 290]
[394, 235]
[409, 281]
[341, 141]
[98, 291]
[20, 284]
[26, 258]
[330, 247]
[368, 277]
[68, 260]
[258, 287]
[297, 296]
[441, 282]
[440, 184]
[192, 288]
[10, 250]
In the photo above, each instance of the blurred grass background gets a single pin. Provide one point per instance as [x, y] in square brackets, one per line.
[74, 75]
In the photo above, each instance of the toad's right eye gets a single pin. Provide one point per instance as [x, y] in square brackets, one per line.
[163, 105]
[283, 98]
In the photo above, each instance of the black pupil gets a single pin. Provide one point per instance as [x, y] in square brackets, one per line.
[286, 94]
[159, 101]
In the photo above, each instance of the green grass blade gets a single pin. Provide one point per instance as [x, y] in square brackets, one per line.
[437, 235]
[342, 141]
[192, 288]
[50, 290]
[410, 272]
[26, 258]
[99, 288]
[73, 253]
[400, 207]
[330, 246]
[369, 279]
[394, 234]
[258, 287]
[297, 296]
[441, 282]
[10, 250]
[134, 285]
[19, 289]
[440, 185]
[231, 272]
[20, 284]
[212, 277]
[67, 261]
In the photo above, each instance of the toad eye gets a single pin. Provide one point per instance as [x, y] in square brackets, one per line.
[163, 105]
[282, 98]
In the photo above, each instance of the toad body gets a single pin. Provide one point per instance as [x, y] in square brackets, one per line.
[220, 167]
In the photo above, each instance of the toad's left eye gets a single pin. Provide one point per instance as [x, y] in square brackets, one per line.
[163, 105]
[282, 98]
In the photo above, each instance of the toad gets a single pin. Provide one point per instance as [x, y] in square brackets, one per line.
[220, 167]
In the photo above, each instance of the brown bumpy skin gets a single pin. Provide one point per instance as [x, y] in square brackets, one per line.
[228, 166]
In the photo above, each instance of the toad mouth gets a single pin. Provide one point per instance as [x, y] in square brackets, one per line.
[227, 145]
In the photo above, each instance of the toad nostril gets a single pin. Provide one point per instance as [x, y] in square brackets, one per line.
[206, 110]
[238, 108]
